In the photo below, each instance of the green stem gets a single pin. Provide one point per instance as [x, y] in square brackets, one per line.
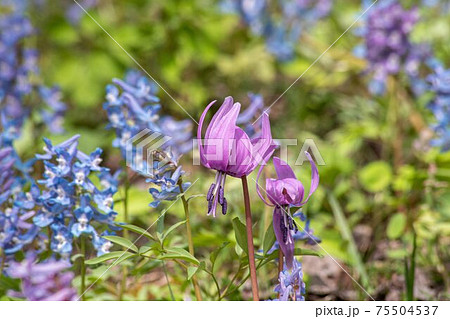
[230, 283]
[125, 235]
[250, 246]
[168, 282]
[2, 265]
[83, 267]
[189, 238]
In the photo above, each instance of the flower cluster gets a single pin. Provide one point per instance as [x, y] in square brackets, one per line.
[388, 47]
[71, 204]
[16, 228]
[280, 23]
[290, 283]
[44, 281]
[74, 13]
[440, 105]
[19, 75]
[133, 112]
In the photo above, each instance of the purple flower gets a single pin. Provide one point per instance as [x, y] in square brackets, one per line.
[388, 47]
[285, 192]
[228, 149]
[44, 281]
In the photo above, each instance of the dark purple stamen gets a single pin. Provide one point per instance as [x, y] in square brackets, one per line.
[210, 205]
[210, 192]
[221, 195]
[224, 206]
[291, 223]
[295, 228]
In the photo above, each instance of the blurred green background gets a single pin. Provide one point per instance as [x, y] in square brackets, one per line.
[381, 180]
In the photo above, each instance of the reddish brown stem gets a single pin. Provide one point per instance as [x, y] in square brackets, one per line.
[250, 246]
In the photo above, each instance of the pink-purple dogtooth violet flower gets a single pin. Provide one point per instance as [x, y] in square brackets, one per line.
[227, 149]
[284, 192]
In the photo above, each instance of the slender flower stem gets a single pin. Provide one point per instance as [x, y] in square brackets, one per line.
[280, 260]
[250, 246]
[2, 264]
[83, 267]
[198, 294]
[168, 281]
[125, 234]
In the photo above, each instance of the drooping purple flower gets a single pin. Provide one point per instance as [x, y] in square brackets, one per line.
[284, 192]
[227, 149]
[44, 281]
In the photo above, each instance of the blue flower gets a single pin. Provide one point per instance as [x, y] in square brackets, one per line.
[290, 283]
[439, 85]
[281, 30]
[69, 202]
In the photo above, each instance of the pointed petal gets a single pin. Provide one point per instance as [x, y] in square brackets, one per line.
[283, 169]
[241, 154]
[314, 178]
[220, 134]
[258, 187]
[199, 135]
[263, 146]
[286, 248]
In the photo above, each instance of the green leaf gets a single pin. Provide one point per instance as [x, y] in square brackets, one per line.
[144, 249]
[160, 223]
[216, 253]
[108, 256]
[172, 228]
[191, 272]
[122, 242]
[75, 257]
[240, 233]
[375, 176]
[306, 252]
[269, 239]
[179, 253]
[396, 226]
[137, 229]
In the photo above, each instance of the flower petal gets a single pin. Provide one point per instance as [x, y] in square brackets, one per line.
[286, 248]
[199, 134]
[314, 178]
[220, 134]
[283, 169]
[241, 154]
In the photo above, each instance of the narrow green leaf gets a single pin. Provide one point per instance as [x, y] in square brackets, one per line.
[269, 239]
[75, 257]
[240, 233]
[144, 249]
[191, 272]
[137, 229]
[347, 235]
[179, 253]
[216, 253]
[122, 242]
[160, 224]
[172, 228]
[108, 256]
